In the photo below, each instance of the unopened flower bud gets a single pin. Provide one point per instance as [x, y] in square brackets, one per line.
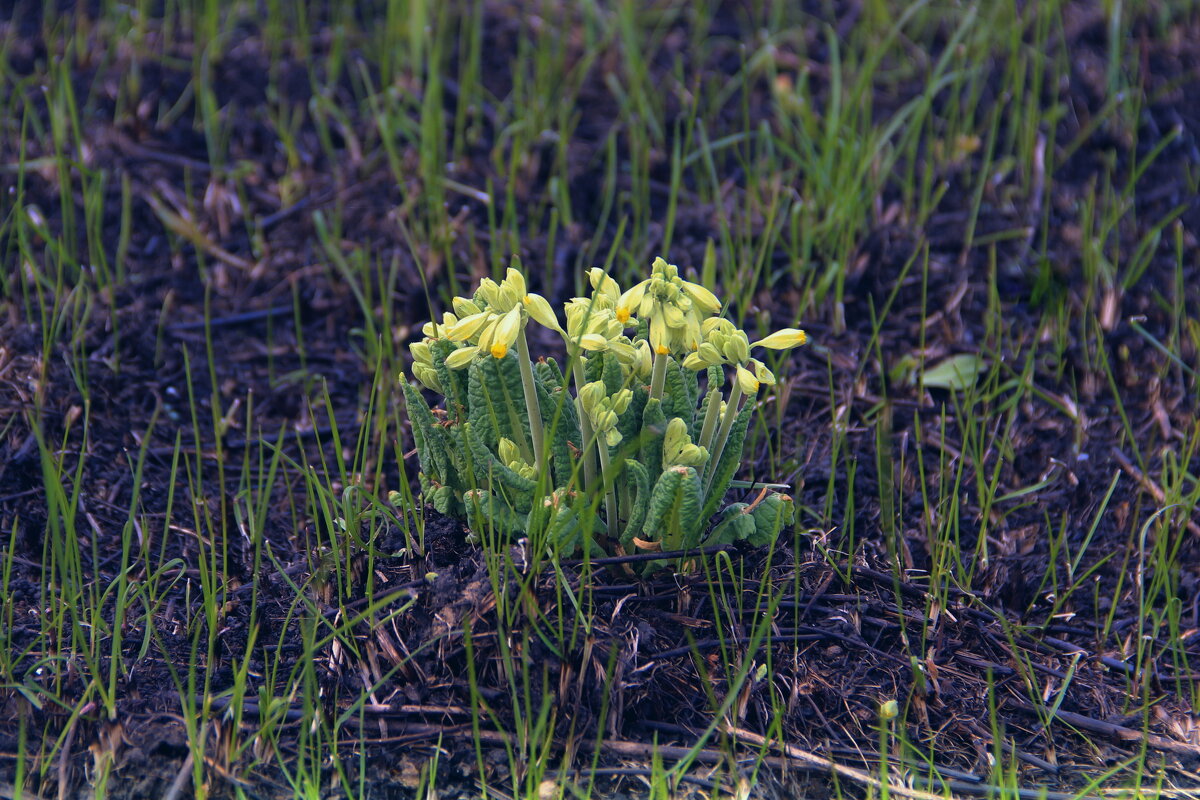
[746, 380]
[591, 394]
[421, 352]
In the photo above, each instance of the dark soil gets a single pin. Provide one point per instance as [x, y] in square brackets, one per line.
[839, 642]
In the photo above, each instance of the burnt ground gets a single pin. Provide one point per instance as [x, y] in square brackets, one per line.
[841, 639]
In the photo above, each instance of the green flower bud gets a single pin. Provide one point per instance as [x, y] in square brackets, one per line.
[421, 353]
[706, 300]
[737, 348]
[623, 350]
[606, 420]
[508, 297]
[710, 353]
[428, 377]
[591, 395]
[507, 450]
[644, 364]
[692, 455]
[487, 335]
[488, 291]
[675, 438]
[433, 330]
[603, 285]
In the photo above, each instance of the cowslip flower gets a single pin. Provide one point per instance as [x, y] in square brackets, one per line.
[785, 339]
[674, 306]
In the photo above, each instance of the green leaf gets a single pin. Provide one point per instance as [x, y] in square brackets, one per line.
[630, 422]
[735, 525]
[654, 427]
[490, 470]
[614, 380]
[677, 401]
[955, 373]
[497, 402]
[562, 431]
[640, 479]
[770, 516]
[549, 373]
[674, 513]
[454, 381]
[434, 460]
[488, 511]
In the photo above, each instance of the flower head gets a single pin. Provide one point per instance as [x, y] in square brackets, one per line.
[675, 307]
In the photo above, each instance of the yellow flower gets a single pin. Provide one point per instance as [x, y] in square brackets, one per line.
[464, 307]
[499, 350]
[593, 342]
[467, 327]
[603, 285]
[785, 339]
[762, 373]
[506, 331]
[433, 330]
[630, 302]
[461, 357]
[702, 297]
[746, 381]
[540, 311]
[516, 280]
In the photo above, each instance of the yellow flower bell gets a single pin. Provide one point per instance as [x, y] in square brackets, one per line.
[785, 339]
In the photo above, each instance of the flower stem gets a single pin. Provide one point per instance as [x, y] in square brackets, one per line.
[731, 413]
[585, 423]
[609, 480]
[658, 377]
[531, 403]
[710, 419]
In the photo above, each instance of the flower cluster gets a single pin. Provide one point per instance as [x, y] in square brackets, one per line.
[640, 430]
